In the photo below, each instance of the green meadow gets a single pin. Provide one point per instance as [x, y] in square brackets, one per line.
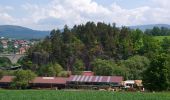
[160, 38]
[79, 95]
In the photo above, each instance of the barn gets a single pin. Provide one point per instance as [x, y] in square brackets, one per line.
[48, 82]
[83, 81]
[5, 81]
[38, 82]
[86, 80]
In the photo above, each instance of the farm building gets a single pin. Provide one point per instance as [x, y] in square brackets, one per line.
[87, 80]
[49, 82]
[38, 82]
[5, 81]
[83, 81]
[133, 84]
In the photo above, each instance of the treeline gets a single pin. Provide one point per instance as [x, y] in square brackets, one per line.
[104, 49]
[156, 31]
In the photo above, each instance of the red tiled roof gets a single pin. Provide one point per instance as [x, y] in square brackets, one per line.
[88, 73]
[107, 79]
[6, 79]
[51, 80]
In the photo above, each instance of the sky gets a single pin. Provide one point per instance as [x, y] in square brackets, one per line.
[54, 14]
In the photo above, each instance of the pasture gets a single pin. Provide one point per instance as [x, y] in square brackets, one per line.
[79, 95]
[160, 38]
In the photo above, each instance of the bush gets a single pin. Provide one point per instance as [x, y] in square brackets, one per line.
[22, 79]
[63, 74]
[103, 67]
[50, 70]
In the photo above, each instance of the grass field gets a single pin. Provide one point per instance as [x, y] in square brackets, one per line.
[160, 38]
[78, 95]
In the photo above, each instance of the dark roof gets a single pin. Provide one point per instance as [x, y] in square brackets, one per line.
[6, 79]
[106, 79]
[49, 80]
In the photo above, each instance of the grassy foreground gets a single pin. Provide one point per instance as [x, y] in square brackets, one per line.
[78, 95]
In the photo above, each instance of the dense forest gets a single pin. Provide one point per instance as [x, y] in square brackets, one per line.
[106, 50]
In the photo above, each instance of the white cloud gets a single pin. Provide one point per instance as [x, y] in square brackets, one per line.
[4, 15]
[161, 3]
[59, 12]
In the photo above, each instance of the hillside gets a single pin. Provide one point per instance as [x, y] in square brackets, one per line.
[150, 26]
[19, 32]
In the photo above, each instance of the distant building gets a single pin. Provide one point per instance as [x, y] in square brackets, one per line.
[88, 73]
[133, 84]
[4, 44]
[22, 50]
[129, 83]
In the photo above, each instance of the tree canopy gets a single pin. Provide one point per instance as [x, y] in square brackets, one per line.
[136, 65]
[157, 76]
[22, 79]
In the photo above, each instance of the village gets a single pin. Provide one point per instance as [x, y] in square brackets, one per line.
[14, 46]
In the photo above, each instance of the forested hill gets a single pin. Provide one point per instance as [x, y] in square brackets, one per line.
[89, 41]
[104, 49]
[19, 32]
[149, 26]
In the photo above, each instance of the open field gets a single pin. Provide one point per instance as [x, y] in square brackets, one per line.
[160, 38]
[78, 95]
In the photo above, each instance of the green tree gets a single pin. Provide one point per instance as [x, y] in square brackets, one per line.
[57, 68]
[64, 74]
[78, 66]
[136, 65]
[137, 40]
[57, 46]
[156, 31]
[22, 79]
[157, 76]
[50, 69]
[150, 45]
[103, 67]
